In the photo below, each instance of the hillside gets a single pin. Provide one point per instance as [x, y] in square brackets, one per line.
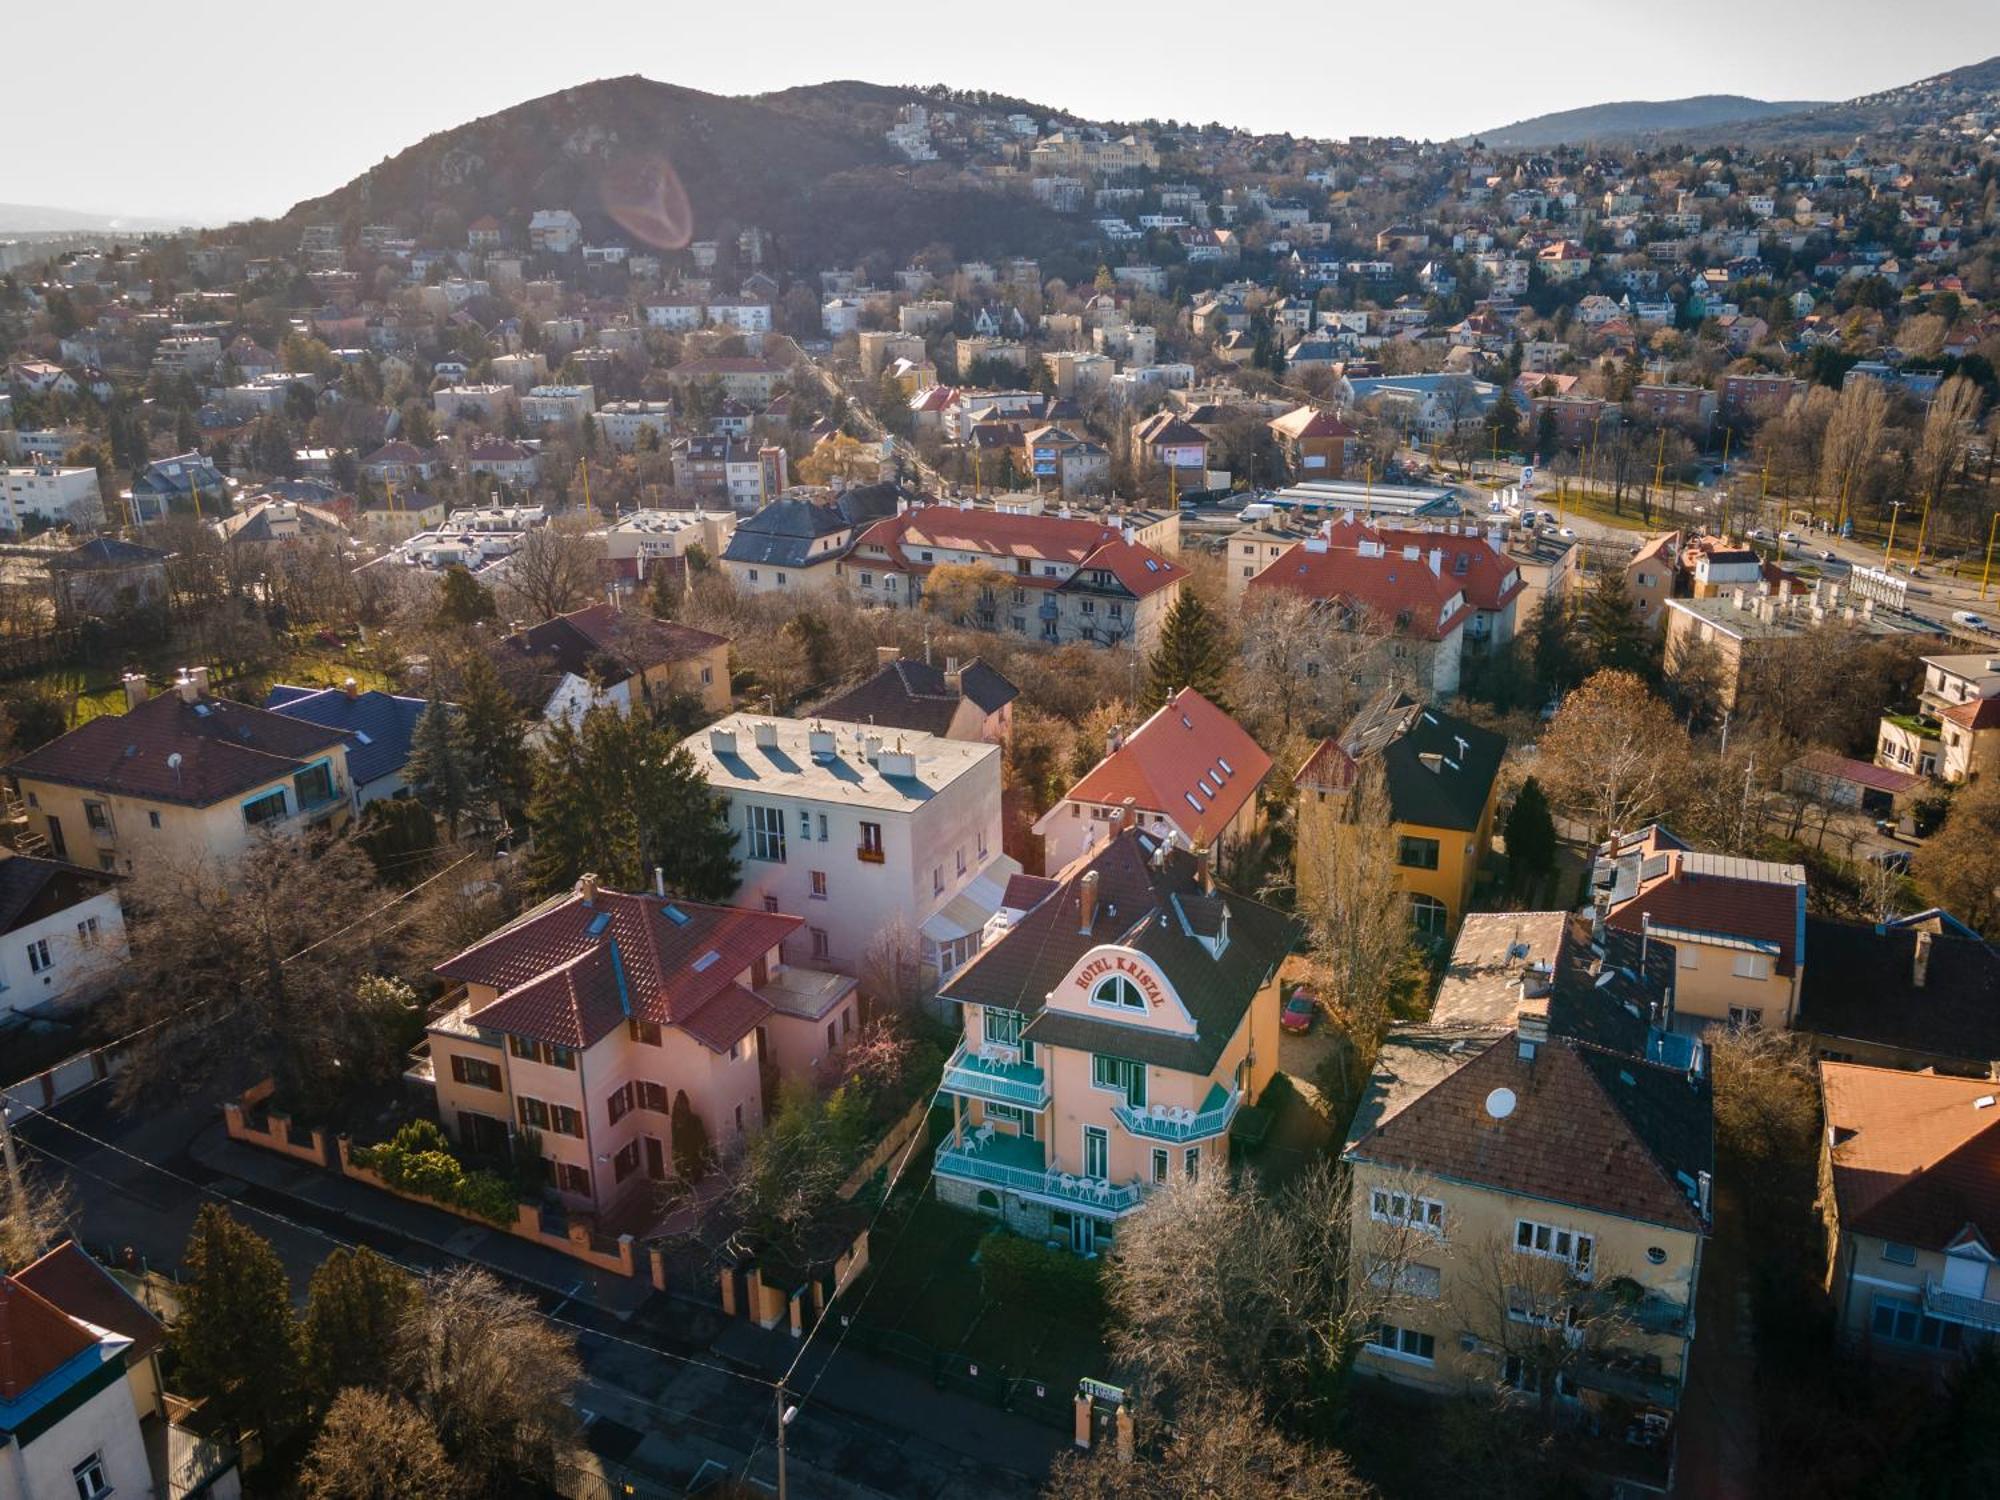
[36, 218]
[1927, 102]
[809, 165]
[1632, 118]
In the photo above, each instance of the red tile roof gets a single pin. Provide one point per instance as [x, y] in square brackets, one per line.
[36, 1338]
[1396, 588]
[1077, 540]
[1974, 713]
[223, 750]
[1767, 911]
[83, 1289]
[1190, 761]
[562, 983]
[1490, 578]
[1915, 1157]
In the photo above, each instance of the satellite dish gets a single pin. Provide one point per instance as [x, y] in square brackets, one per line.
[1500, 1103]
[174, 761]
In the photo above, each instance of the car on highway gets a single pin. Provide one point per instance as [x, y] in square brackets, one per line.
[1966, 619]
[1827, 554]
[1759, 534]
[1568, 533]
[1790, 538]
[1300, 1012]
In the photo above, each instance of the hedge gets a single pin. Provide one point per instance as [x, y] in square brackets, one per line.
[1025, 1274]
[419, 1160]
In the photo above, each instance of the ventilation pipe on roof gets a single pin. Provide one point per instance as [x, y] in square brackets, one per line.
[659, 881]
[586, 888]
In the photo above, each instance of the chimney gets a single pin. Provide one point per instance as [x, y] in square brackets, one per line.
[1920, 963]
[1114, 739]
[722, 741]
[352, 687]
[819, 743]
[1086, 895]
[1531, 1029]
[586, 888]
[887, 655]
[1204, 869]
[186, 686]
[766, 734]
[136, 689]
[659, 881]
[872, 748]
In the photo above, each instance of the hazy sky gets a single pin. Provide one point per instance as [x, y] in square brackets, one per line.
[222, 110]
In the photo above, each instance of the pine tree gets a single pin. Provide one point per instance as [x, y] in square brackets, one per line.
[235, 1336]
[1612, 632]
[463, 599]
[1192, 652]
[501, 770]
[440, 769]
[1555, 658]
[349, 1329]
[1531, 836]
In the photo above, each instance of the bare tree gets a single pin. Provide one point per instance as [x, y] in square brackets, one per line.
[1853, 437]
[35, 1215]
[493, 1378]
[374, 1446]
[892, 970]
[557, 568]
[1614, 755]
[1949, 425]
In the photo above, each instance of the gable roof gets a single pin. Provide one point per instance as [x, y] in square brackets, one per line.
[908, 694]
[562, 982]
[36, 1338]
[82, 1289]
[783, 533]
[583, 640]
[105, 552]
[1861, 984]
[1914, 1157]
[1405, 592]
[1438, 769]
[1141, 895]
[32, 888]
[1190, 760]
[225, 748]
[1588, 1127]
[1689, 891]
[378, 725]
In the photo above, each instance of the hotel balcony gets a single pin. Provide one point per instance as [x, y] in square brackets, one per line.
[1166, 1123]
[999, 1077]
[1956, 1307]
[1015, 1165]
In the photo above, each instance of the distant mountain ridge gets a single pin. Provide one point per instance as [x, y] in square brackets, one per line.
[36, 218]
[1635, 117]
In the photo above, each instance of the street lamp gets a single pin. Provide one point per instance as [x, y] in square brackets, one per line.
[1895, 515]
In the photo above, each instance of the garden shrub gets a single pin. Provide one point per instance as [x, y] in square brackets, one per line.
[1024, 1274]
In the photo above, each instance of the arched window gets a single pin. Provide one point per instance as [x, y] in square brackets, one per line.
[1118, 992]
[1428, 915]
[989, 1199]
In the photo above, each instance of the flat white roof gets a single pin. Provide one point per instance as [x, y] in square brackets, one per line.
[787, 768]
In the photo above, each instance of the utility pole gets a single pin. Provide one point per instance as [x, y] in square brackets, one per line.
[785, 1415]
[17, 1194]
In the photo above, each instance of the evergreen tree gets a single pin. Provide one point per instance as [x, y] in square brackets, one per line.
[1504, 421]
[348, 1333]
[440, 767]
[463, 599]
[1612, 632]
[1192, 652]
[501, 771]
[1556, 666]
[1531, 836]
[1546, 438]
[395, 832]
[664, 597]
[621, 797]
[235, 1336]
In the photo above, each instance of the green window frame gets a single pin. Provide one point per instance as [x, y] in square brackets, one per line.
[1121, 1074]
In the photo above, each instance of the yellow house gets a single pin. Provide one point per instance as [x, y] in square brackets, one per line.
[1738, 926]
[608, 1022]
[1442, 778]
[1111, 1034]
[1907, 1164]
[180, 776]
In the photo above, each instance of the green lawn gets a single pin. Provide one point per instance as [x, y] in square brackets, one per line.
[97, 690]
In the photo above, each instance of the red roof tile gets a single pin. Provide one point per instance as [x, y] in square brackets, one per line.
[1190, 760]
[83, 1289]
[1975, 713]
[1076, 540]
[1766, 911]
[1915, 1157]
[563, 983]
[36, 1338]
[727, 1018]
[1395, 588]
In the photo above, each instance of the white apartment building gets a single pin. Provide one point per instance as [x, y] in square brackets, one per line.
[676, 316]
[52, 494]
[482, 403]
[558, 403]
[865, 833]
[742, 314]
[621, 422]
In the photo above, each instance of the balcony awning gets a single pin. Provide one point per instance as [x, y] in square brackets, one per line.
[971, 908]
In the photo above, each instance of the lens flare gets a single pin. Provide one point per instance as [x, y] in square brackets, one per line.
[644, 194]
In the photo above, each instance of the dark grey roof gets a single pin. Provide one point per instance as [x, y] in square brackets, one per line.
[32, 888]
[1860, 984]
[106, 552]
[783, 533]
[1440, 768]
[909, 694]
[1136, 907]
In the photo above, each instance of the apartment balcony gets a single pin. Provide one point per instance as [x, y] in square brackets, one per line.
[870, 856]
[1166, 1123]
[1009, 1163]
[996, 1075]
[1957, 1307]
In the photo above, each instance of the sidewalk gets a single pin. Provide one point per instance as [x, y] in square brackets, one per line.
[446, 1233]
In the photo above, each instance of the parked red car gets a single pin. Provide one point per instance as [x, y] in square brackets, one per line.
[1300, 1012]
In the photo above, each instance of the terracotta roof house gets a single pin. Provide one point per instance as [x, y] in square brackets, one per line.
[1913, 1164]
[82, 1408]
[601, 656]
[1739, 925]
[180, 775]
[1920, 991]
[1112, 1032]
[1061, 578]
[961, 700]
[1551, 1172]
[1189, 774]
[1316, 443]
[1403, 595]
[603, 1019]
